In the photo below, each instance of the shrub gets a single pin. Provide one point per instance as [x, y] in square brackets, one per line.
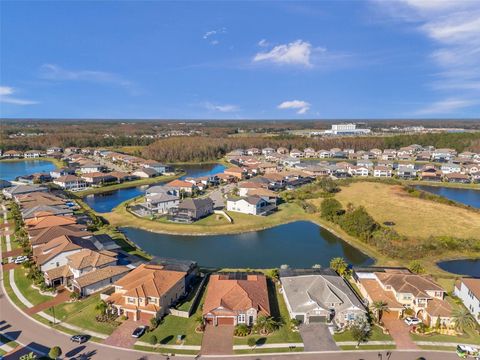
[416, 267]
[55, 352]
[152, 340]
[251, 342]
[241, 330]
[330, 209]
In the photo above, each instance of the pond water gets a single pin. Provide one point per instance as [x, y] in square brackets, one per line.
[298, 244]
[105, 202]
[470, 267]
[9, 170]
[465, 196]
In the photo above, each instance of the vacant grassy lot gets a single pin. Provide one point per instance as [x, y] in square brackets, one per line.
[413, 217]
[241, 222]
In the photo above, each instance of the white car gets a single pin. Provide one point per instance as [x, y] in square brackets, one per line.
[20, 259]
[412, 321]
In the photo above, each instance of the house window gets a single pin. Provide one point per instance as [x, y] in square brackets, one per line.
[241, 319]
[151, 300]
[131, 300]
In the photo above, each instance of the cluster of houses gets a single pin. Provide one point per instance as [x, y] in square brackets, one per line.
[63, 249]
[411, 162]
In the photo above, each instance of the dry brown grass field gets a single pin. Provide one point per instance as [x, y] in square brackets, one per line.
[413, 217]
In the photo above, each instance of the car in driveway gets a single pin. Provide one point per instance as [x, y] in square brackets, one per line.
[412, 321]
[139, 331]
[79, 338]
[20, 259]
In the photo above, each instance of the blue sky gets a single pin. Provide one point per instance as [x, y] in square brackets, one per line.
[240, 60]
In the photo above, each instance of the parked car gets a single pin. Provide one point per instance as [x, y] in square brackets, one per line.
[464, 351]
[139, 331]
[20, 259]
[79, 338]
[412, 321]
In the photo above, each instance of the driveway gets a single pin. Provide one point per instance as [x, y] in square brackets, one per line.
[399, 331]
[217, 340]
[317, 337]
[122, 336]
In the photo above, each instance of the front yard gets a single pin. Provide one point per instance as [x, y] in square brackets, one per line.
[377, 335]
[279, 311]
[25, 286]
[82, 313]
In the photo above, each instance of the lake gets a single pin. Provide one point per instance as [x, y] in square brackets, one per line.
[9, 170]
[465, 196]
[298, 244]
[105, 202]
[470, 267]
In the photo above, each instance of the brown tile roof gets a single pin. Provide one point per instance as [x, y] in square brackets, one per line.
[237, 295]
[49, 221]
[48, 251]
[262, 192]
[179, 183]
[376, 293]
[87, 258]
[149, 280]
[68, 178]
[98, 275]
[58, 272]
[473, 285]
[45, 235]
[437, 307]
[234, 170]
[417, 285]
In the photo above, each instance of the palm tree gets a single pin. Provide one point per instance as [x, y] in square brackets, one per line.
[266, 324]
[101, 307]
[339, 265]
[379, 307]
[463, 319]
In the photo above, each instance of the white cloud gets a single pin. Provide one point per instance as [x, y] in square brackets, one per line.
[5, 97]
[301, 106]
[57, 73]
[221, 107]
[446, 106]
[213, 35]
[454, 28]
[263, 43]
[294, 53]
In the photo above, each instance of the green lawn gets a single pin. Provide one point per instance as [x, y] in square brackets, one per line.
[377, 335]
[25, 287]
[279, 310]
[267, 351]
[187, 303]
[122, 241]
[368, 347]
[82, 313]
[172, 326]
[468, 338]
[165, 351]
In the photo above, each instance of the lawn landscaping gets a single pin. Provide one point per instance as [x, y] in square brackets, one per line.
[25, 287]
[164, 350]
[269, 350]
[82, 313]
[469, 337]
[377, 335]
[123, 242]
[279, 310]
[172, 326]
[368, 347]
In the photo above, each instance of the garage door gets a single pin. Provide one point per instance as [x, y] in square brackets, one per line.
[144, 317]
[317, 319]
[225, 321]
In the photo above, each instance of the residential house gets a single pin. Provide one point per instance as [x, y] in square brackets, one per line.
[253, 151]
[45, 210]
[389, 154]
[468, 290]
[282, 150]
[181, 186]
[406, 172]
[71, 183]
[267, 151]
[98, 178]
[92, 168]
[252, 205]
[37, 223]
[145, 173]
[236, 298]
[147, 292]
[457, 178]
[382, 171]
[323, 154]
[191, 209]
[431, 174]
[402, 290]
[309, 153]
[42, 236]
[121, 177]
[358, 170]
[12, 154]
[377, 153]
[236, 172]
[443, 155]
[158, 167]
[55, 174]
[32, 154]
[17, 190]
[320, 296]
[54, 149]
[450, 168]
[158, 202]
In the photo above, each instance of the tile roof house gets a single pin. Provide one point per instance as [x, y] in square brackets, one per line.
[147, 291]
[43, 222]
[70, 182]
[181, 186]
[14, 191]
[55, 253]
[468, 290]
[46, 210]
[401, 289]
[320, 295]
[236, 298]
[192, 209]
[252, 205]
[43, 236]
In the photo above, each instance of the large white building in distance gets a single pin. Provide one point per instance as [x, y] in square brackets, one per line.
[346, 129]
